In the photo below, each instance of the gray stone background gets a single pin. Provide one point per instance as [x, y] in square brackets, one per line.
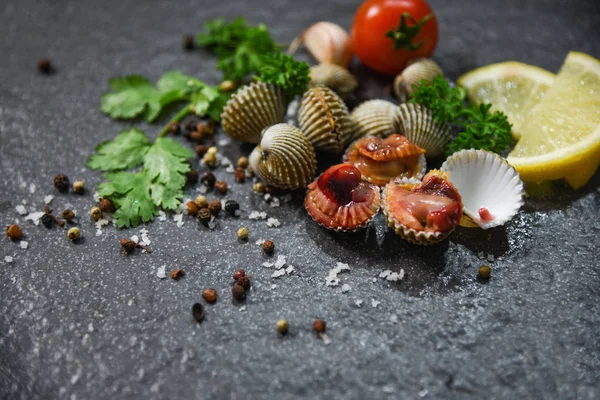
[83, 321]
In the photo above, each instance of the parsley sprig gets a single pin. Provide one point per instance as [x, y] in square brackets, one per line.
[481, 129]
[283, 70]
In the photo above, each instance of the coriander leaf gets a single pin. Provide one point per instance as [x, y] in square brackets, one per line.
[131, 95]
[165, 164]
[175, 81]
[124, 151]
[482, 130]
[446, 102]
[130, 193]
[283, 70]
[209, 101]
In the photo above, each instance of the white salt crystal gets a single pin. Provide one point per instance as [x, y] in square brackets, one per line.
[342, 267]
[203, 189]
[289, 270]
[332, 281]
[267, 264]
[394, 319]
[490, 257]
[375, 303]
[32, 188]
[243, 308]
[224, 142]
[345, 288]
[273, 223]
[230, 169]
[260, 242]
[145, 241]
[481, 254]
[162, 272]
[280, 262]
[258, 215]
[135, 238]
[96, 196]
[278, 273]
[178, 218]
[162, 216]
[385, 273]
[8, 259]
[267, 197]
[24, 244]
[21, 209]
[212, 224]
[358, 303]
[273, 286]
[35, 217]
[275, 202]
[48, 199]
[325, 338]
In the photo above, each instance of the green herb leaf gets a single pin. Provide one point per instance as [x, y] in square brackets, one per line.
[209, 101]
[124, 151]
[447, 103]
[130, 193]
[283, 70]
[131, 96]
[175, 81]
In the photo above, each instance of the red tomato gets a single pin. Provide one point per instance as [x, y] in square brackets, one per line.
[377, 20]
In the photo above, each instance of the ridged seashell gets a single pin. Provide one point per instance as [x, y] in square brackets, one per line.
[416, 122]
[324, 119]
[340, 200]
[285, 158]
[486, 182]
[334, 77]
[252, 109]
[374, 118]
[327, 42]
[419, 69]
[381, 160]
[422, 212]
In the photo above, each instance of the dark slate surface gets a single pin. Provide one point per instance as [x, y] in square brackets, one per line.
[82, 321]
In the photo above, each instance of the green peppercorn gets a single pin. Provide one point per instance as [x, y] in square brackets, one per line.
[68, 215]
[78, 187]
[227, 86]
[258, 187]
[242, 233]
[282, 326]
[96, 213]
[485, 272]
[201, 201]
[210, 160]
[74, 234]
[243, 162]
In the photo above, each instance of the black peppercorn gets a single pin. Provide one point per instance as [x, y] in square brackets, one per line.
[201, 150]
[239, 274]
[208, 179]
[47, 220]
[231, 206]
[244, 282]
[188, 42]
[238, 293]
[174, 128]
[204, 215]
[191, 177]
[198, 312]
[44, 65]
[61, 182]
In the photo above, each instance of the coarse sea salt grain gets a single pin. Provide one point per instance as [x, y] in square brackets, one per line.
[345, 288]
[8, 259]
[135, 238]
[230, 169]
[48, 199]
[203, 189]
[162, 272]
[273, 223]
[275, 202]
[358, 303]
[267, 264]
[21, 209]
[257, 215]
[178, 218]
[260, 242]
[280, 262]
[290, 269]
[375, 303]
[332, 277]
[278, 273]
[145, 241]
[35, 217]
[32, 188]
[162, 216]
[491, 257]
[24, 244]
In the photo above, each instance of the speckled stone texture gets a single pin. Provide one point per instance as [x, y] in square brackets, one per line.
[82, 321]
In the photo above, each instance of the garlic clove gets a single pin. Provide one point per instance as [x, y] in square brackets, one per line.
[326, 42]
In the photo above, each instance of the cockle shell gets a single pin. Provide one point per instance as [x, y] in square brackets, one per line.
[252, 109]
[334, 77]
[418, 69]
[285, 158]
[340, 200]
[381, 160]
[324, 119]
[422, 212]
[486, 182]
[327, 42]
[374, 118]
[416, 122]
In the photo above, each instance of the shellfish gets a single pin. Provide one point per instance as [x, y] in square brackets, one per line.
[380, 160]
[491, 189]
[285, 158]
[334, 77]
[416, 122]
[324, 119]
[422, 212]
[252, 109]
[374, 118]
[418, 69]
[340, 200]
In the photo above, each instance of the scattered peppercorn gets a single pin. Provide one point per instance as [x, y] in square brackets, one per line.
[74, 234]
[231, 206]
[227, 86]
[196, 136]
[177, 273]
[242, 162]
[268, 246]
[48, 219]
[209, 295]
[258, 187]
[201, 150]
[188, 42]
[191, 177]
[221, 186]
[61, 182]
[282, 326]
[129, 245]
[215, 207]
[210, 126]
[78, 187]
[106, 205]
[13, 232]
[174, 128]
[198, 312]
[192, 208]
[244, 282]
[68, 215]
[484, 272]
[242, 233]
[240, 273]
[204, 215]
[319, 326]
[210, 159]
[208, 179]
[238, 293]
[188, 123]
[240, 175]
[201, 201]
[44, 65]
[96, 213]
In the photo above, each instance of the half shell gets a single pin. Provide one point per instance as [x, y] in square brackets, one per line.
[418, 69]
[374, 118]
[285, 158]
[381, 160]
[486, 182]
[334, 77]
[340, 200]
[252, 109]
[324, 119]
[422, 212]
[416, 122]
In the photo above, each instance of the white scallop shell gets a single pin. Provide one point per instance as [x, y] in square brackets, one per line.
[285, 158]
[374, 118]
[484, 179]
[418, 69]
[252, 109]
[416, 122]
[334, 77]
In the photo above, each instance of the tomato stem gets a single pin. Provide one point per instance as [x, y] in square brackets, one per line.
[404, 34]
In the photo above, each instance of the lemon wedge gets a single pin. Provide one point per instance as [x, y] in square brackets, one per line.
[561, 135]
[511, 87]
